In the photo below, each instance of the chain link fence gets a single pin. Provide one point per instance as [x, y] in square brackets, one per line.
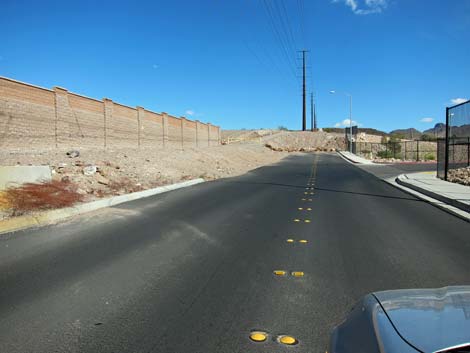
[403, 150]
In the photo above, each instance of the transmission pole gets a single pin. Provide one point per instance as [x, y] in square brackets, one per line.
[304, 106]
[311, 112]
[315, 115]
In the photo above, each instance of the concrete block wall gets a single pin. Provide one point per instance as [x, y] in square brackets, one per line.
[151, 129]
[27, 116]
[189, 135]
[33, 117]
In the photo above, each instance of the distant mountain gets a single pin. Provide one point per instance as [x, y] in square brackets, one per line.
[371, 131]
[439, 130]
[366, 130]
[410, 133]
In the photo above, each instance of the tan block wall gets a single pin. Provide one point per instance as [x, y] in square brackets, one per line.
[214, 136]
[152, 130]
[123, 127]
[174, 132]
[87, 125]
[203, 135]
[189, 135]
[33, 117]
[27, 116]
[26, 124]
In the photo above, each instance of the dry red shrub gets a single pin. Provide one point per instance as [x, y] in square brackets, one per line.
[41, 196]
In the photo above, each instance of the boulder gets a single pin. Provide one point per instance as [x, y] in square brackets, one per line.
[101, 179]
[89, 170]
[73, 153]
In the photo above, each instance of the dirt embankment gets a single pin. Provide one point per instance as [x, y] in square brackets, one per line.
[305, 141]
[99, 173]
[87, 174]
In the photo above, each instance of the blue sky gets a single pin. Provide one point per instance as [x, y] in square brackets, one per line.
[232, 64]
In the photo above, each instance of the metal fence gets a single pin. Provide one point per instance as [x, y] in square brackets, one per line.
[454, 150]
[404, 150]
[347, 137]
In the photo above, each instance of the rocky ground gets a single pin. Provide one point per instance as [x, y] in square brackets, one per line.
[102, 173]
[397, 160]
[304, 141]
[231, 136]
[460, 176]
[99, 173]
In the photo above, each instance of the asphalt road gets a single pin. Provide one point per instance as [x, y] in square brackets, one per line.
[192, 270]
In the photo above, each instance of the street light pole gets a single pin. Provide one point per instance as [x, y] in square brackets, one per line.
[350, 123]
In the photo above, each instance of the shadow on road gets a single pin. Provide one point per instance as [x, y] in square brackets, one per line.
[328, 190]
[368, 194]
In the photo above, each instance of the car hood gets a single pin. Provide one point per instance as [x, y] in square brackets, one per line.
[431, 320]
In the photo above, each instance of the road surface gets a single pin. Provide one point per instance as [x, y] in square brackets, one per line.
[192, 270]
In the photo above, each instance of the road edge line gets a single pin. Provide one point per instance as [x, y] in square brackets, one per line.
[46, 217]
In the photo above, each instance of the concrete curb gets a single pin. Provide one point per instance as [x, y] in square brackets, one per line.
[47, 217]
[349, 159]
[432, 201]
[402, 180]
[442, 205]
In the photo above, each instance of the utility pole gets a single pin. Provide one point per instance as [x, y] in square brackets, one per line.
[311, 111]
[315, 116]
[350, 124]
[304, 105]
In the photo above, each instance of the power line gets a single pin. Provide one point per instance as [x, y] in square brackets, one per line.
[278, 36]
[301, 9]
[286, 13]
[272, 60]
[284, 26]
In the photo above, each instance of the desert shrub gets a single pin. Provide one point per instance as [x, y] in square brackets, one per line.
[281, 127]
[427, 137]
[41, 196]
[385, 154]
[429, 157]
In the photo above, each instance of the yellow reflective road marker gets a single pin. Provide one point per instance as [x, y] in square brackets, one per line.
[305, 193]
[304, 199]
[258, 336]
[303, 241]
[309, 209]
[300, 208]
[296, 220]
[307, 221]
[311, 193]
[288, 340]
[279, 272]
[290, 240]
[297, 273]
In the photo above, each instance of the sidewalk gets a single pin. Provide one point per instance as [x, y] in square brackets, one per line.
[451, 193]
